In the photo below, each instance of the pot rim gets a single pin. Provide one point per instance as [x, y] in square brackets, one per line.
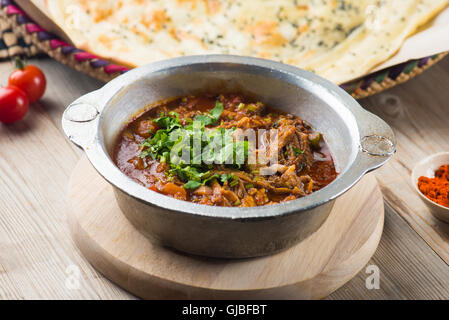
[86, 132]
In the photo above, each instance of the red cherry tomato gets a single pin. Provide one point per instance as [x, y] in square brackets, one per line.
[31, 80]
[13, 104]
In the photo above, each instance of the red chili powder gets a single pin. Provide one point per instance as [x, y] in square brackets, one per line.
[436, 189]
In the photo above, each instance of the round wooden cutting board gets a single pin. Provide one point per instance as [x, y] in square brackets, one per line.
[312, 269]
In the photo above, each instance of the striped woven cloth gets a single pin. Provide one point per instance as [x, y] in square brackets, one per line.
[11, 44]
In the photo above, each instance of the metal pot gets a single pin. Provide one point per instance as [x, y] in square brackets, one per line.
[359, 141]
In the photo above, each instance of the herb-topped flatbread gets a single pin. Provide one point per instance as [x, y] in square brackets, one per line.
[337, 39]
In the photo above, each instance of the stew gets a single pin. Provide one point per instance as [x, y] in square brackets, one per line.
[263, 156]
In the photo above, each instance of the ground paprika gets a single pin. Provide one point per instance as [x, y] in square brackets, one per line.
[436, 189]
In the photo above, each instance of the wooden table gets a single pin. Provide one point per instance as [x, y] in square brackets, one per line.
[38, 259]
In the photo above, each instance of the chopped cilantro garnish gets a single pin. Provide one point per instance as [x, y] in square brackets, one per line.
[192, 184]
[212, 117]
[232, 180]
[215, 176]
[297, 151]
[173, 142]
[225, 177]
[217, 111]
[169, 122]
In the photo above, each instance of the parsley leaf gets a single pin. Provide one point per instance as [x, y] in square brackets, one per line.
[172, 140]
[212, 117]
[204, 119]
[232, 180]
[215, 176]
[216, 112]
[192, 184]
[297, 151]
[225, 177]
[168, 122]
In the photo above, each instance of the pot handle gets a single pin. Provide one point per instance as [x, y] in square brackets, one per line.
[80, 118]
[377, 141]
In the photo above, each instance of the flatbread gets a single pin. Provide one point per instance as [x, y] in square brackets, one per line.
[337, 39]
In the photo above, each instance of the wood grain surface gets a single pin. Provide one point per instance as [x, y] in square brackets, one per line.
[311, 269]
[38, 256]
[419, 113]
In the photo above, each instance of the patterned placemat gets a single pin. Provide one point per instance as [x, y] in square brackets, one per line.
[21, 36]
[31, 33]
[388, 78]
[12, 44]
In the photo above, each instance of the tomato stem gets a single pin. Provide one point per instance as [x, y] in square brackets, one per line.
[19, 63]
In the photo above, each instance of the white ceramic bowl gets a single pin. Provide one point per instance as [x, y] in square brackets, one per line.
[427, 168]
